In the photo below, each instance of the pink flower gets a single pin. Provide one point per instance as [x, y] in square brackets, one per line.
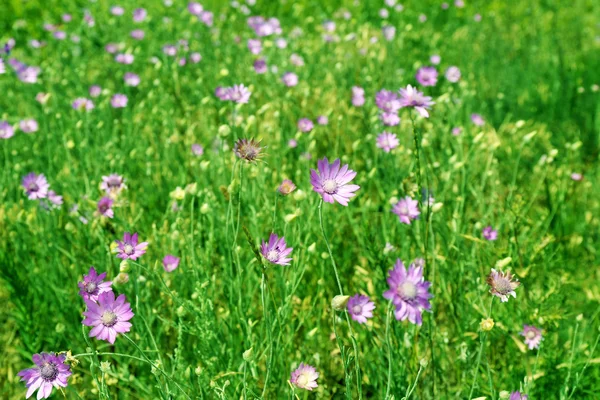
[108, 317]
[93, 285]
[360, 308]
[406, 209]
[305, 377]
[129, 247]
[331, 182]
[170, 263]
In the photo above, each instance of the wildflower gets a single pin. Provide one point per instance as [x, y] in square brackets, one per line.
[292, 143]
[93, 285]
[453, 74]
[222, 93]
[360, 308]
[286, 187]
[427, 76]
[36, 186]
[340, 302]
[576, 176]
[95, 90]
[139, 14]
[489, 233]
[389, 32]
[435, 59]
[387, 141]
[260, 66]
[129, 247]
[390, 119]
[322, 120]
[104, 207]
[255, 46]
[195, 57]
[248, 149]
[2, 67]
[54, 198]
[532, 335]
[195, 8]
[477, 119]
[108, 316]
[297, 60]
[6, 130]
[518, 396]
[502, 284]
[276, 250]
[50, 371]
[358, 96]
[456, 131]
[305, 377]
[406, 209]
[28, 125]
[126, 59]
[290, 79]
[387, 101]
[117, 11]
[170, 263]
[82, 103]
[197, 149]
[331, 182]
[409, 292]
[486, 324]
[238, 94]
[411, 97]
[113, 184]
[118, 101]
[305, 125]
[131, 79]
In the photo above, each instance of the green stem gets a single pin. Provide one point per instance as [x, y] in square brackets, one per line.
[389, 346]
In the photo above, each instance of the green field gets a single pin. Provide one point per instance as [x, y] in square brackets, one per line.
[227, 323]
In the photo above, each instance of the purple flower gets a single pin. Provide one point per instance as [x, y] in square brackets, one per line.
[238, 94]
[27, 126]
[59, 35]
[411, 97]
[222, 93]
[406, 209]
[197, 149]
[502, 285]
[124, 58]
[169, 50]
[2, 67]
[305, 377]
[29, 74]
[292, 143]
[576, 176]
[517, 395]
[95, 90]
[36, 186]
[305, 125]
[139, 14]
[358, 101]
[477, 119]
[93, 285]
[290, 79]
[389, 32]
[255, 46]
[489, 233]
[435, 59]
[286, 187]
[387, 101]
[54, 198]
[331, 182]
[456, 131]
[532, 335]
[82, 103]
[108, 317]
[322, 120]
[276, 250]
[409, 292]
[390, 119]
[131, 79]
[6, 130]
[248, 149]
[387, 141]
[113, 184]
[296, 60]
[170, 263]
[195, 57]
[129, 247]
[453, 74]
[50, 371]
[195, 8]
[260, 66]
[360, 308]
[104, 207]
[427, 76]
[118, 101]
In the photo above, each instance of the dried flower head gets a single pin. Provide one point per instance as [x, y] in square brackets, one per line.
[502, 284]
[248, 149]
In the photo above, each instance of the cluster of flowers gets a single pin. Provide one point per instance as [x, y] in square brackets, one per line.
[237, 94]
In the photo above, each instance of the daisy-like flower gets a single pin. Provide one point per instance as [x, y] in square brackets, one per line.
[55, 199]
[104, 207]
[387, 101]
[322, 120]
[289, 79]
[390, 119]
[427, 76]
[532, 335]
[248, 149]
[456, 131]
[276, 250]
[502, 285]
[170, 263]
[409, 292]
[108, 316]
[118, 101]
[260, 66]
[453, 74]
[305, 377]
[411, 97]
[36, 186]
[389, 32]
[82, 103]
[28, 125]
[197, 149]
[195, 57]
[305, 125]
[113, 184]
[238, 94]
[131, 79]
[255, 46]
[360, 308]
[93, 285]
[6, 130]
[95, 90]
[435, 59]
[518, 396]
[129, 247]
[331, 182]
[477, 119]
[406, 209]
[576, 176]
[489, 233]
[139, 14]
[50, 371]
[286, 187]
[387, 141]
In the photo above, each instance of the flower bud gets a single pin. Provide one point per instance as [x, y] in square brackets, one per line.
[248, 355]
[486, 324]
[339, 302]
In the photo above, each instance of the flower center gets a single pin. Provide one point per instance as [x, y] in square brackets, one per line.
[530, 335]
[302, 380]
[403, 208]
[357, 309]
[90, 287]
[503, 286]
[108, 318]
[330, 186]
[48, 372]
[407, 290]
[272, 255]
[33, 187]
[128, 249]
